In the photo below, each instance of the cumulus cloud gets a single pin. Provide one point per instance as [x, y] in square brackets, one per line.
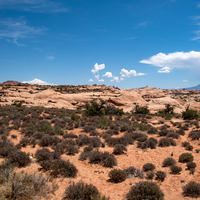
[97, 68]
[91, 80]
[108, 74]
[181, 60]
[126, 73]
[116, 79]
[121, 79]
[164, 70]
[50, 57]
[97, 78]
[38, 81]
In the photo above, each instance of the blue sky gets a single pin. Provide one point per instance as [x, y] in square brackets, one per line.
[126, 43]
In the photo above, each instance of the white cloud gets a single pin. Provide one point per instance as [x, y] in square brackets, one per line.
[198, 5]
[181, 60]
[121, 79]
[40, 6]
[10, 28]
[15, 42]
[97, 68]
[97, 78]
[164, 70]
[90, 80]
[108, 74]
[126, 73]
[50, 57]
[185, 81]
[38, 81]
[116, 79]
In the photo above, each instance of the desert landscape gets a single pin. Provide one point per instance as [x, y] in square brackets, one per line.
[98, 142]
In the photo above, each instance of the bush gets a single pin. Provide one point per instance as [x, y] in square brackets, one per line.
[43, 154]
[152, 130]
[160, 176]
[185, 144]
[104, 158]
[80, 190]
[189, 148]
[145, 190]
[194, 135]
[172, 134]
[168, 162]
[119, 149]
[186, 157]
[63, 168]
[48, 140]
[190, 114]
[192, 189]
[150, 143]
[130, 170]
[175, 169]
[23, 186]
[71, 150]
[191, 165]
[110, 161]
[148, 167]
[141, 109]
[117, 175]
[166, 142]
[69, 135]
[150, 175]
[19, 159]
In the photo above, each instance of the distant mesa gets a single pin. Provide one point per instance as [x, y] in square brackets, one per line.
[15, 83]
[193, 88]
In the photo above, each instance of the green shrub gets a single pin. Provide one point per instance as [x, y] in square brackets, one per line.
[168, 162]
[160, 175]
[192, 189]
[148, 167]
[43, 154]
[117, 175]
[186, 157]
[190, 114]
[80, 191]
[141, 109]
[145, 190]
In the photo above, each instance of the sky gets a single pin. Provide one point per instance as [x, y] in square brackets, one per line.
[122, 43]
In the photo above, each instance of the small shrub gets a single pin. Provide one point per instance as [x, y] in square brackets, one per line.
[190, 114]
[69, 135]
[168, 162]
[160, 175]
[148, 167]
[19, 159]
[119, 149]
[130, 170]
[145, 190]
[175, 169]
[152, 130]
[150, 175]
[194, 135]
[110, 161]
[139, 173]
[141, 109]
[80, 190]
[71, 150]
[189, 148]
[117, 175]
[185, 144]
[166, 142]
[88, 148]
[43, 154]
[191, 165]
[192, 189]
[186, 157]
[63, 168]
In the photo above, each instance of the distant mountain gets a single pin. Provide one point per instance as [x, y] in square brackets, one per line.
[194, 88]
[15, 83]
